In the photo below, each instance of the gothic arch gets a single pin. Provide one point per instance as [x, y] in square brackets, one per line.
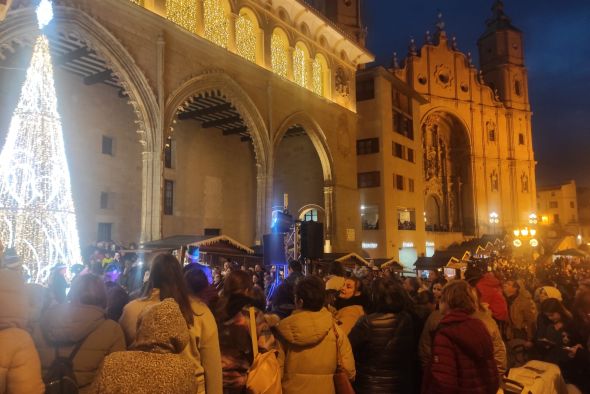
[317, 136]
[450, 112]
[22, 23]
[233, 92]
[320, 143]
[217, 81]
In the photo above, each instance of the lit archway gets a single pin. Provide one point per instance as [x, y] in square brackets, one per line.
[300, 138]
[238, 112]
[448, 173]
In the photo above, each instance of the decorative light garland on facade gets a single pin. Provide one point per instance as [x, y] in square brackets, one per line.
[300, 67]
[183, 13]
[246, 38]
[37, 215]
[216, 22]
[138, 2]
[317, 71]
[279, 53]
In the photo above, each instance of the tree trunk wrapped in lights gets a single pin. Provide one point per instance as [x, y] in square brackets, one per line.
[37, 215]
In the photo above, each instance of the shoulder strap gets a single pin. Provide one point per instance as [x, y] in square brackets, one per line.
[253, 333]
[337, 339]
[78, 347]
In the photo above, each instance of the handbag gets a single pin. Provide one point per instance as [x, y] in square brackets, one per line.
[264, 376]
[342, 384]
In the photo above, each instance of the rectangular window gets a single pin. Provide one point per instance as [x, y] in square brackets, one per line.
[556, 218]
[398, 182]
[168, 197]
[491, 135]
[168, 154]
[107, 145]
[365, 90]
[104, 232]
[368, 179]
[572, 204]
[406, 219]
[104, 200]
[403, 125]
[521, 139]
[398, 150]
[411, 155]
[370, 217]
[367, 146]
[411, 185]
[553, 204]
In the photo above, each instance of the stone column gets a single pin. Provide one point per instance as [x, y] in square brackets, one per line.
[151, 206]
[261, 192]
[328, 210]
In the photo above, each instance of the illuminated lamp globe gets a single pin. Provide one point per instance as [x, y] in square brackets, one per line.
[533, 232]
[524, 232]
[534, 243]
[516, 232]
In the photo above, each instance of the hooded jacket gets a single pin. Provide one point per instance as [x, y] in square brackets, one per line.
[63, 326]
[311, 350]
[462, 358]
[154, 364]
[523, 317]
[349, 311]
[20, 369]
[384, 346]
[490, 291]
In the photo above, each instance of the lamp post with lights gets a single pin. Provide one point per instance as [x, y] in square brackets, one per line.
[524, 237]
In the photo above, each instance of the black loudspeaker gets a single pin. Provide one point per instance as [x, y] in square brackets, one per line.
[274, 249]
[312, 240]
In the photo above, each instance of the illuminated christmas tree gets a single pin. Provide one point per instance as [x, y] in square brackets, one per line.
[37, 215]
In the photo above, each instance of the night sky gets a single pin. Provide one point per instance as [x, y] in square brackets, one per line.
[557, 50]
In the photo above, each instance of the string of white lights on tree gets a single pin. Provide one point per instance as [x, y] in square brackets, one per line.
[37, 215]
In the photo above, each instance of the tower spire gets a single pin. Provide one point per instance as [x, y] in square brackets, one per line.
[499, 19]
[441, 34]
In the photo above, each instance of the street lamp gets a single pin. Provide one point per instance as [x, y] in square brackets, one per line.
[533, 218]
[494, 219]
[525, 235]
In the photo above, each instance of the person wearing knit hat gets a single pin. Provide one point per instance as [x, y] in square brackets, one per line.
[162, 335]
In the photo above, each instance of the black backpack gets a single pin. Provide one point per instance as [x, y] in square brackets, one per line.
[60, 377]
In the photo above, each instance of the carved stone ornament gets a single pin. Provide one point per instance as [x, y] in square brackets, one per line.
[342, 83]
[494, 182]
[524, 183]
[444, 76]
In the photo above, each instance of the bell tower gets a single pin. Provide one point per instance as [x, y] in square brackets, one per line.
[345, 13]
[501, 57]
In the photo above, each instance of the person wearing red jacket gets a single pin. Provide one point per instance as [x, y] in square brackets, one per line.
[462, 350]
[489, 290]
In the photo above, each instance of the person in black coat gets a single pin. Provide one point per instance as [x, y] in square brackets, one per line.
[384, 342]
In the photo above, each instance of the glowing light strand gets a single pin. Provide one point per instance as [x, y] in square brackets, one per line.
[317, 77]
[183, 13]
[216, 22]
[279, 52]
[37, 215]
[246, 38]
[300, 67]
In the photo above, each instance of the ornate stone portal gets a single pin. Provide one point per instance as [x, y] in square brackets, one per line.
[447, 175]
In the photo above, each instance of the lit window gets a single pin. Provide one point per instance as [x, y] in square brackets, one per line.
[370, 217]
[311, 215]
[318, 77]
[300, 66]
[246, 37]
[183, 13]
[216, 22]
[279, 52]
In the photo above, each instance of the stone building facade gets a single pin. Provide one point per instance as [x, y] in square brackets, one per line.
[217, 96]
[452, 155]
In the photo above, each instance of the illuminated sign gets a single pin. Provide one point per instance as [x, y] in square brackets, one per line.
[370, 245]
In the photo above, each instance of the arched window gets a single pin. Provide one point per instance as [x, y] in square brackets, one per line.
[279, 52]
[311, 215]
[320, 76]
[183, 13]
[216, 21]
[246, 35]
[300, 62]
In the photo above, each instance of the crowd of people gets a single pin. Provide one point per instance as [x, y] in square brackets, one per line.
[180, 329]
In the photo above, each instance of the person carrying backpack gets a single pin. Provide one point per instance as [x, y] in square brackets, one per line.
[73, 338]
